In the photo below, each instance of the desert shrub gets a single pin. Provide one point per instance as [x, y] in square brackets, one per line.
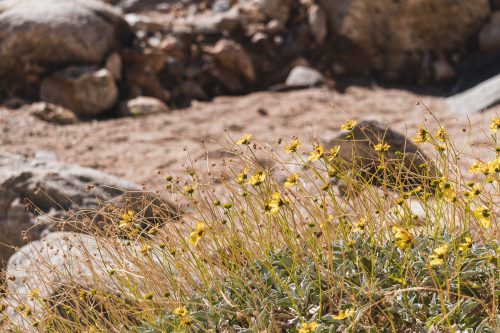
[274, 239]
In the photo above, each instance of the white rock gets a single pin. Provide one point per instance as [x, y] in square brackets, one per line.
[301, 76]
[143, 105]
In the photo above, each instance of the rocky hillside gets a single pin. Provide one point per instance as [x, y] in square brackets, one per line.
[90, 57]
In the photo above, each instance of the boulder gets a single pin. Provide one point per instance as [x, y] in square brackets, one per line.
[51, 113]
[35, 195]
[302, 76]
[87, 91]
[57, 33]
[391, 36]
[59, 260]
[143, 105]
[234, 57]
[406, 166]
[489, 36]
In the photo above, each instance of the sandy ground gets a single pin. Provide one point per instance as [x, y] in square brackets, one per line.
[136, 148]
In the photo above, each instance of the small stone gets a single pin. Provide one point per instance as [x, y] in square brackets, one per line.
[141, 106]
[301, 76]
[443, 70]
[52, 113]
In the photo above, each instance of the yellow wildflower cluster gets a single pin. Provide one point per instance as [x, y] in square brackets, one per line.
[273, 205]
[245, 139]
[333, 153]
[489, 168]
[343, 314]
[348, 125]
[447, 190]
[242, 176]
[360, 225]
[422, 136]
[127, 219]
[293, 146]
[197, 233]
[465, 245]
[495, 124]
[402, 236]
[257, 178]
[292, 180]
[308, 327]
[381, 147]
[317, 153]
[183, 313]
[483, 215]
[438, 255]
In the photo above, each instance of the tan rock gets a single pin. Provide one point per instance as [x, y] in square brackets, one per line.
[234, 57]
[87, 91]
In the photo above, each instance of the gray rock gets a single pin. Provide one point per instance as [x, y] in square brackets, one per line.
[59, 260]
[142, 105]
[58, 32]
[301, 76]
[477, 98]
[30, 189]
[318, 23]
[489, 36]
[406, 165]
[87, 91]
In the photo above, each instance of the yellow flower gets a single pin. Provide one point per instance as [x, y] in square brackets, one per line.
[436, 261]
[291, 180]
[477, 167]
[308, 327]
[149, 296]
[381, 147]
[333, 152]
[448, 191]
[348, 125]
[495, 124]
[494, 166]
[344, 314]
[34, 293]
[189, 189]
[197, 233]
[403, 237]
[317, 153]
[483, 215]
[441, 134]
[145, 249]
[257, 178]
[181, 311]
[422, 136]
[127, 219]
[474, 192]
[438, 255]
[465, 245]
[245, 139]
[186, 321]
[242, 176]
[274, 204]
[359, 225]
[293, 146]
